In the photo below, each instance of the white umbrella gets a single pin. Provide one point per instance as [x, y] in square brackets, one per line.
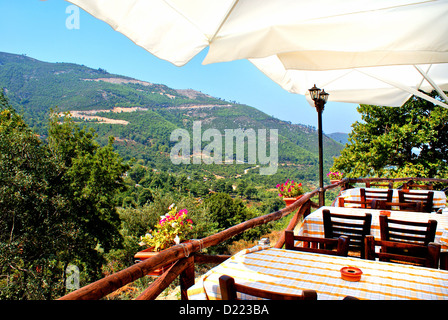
[314, 35]
[384, 85]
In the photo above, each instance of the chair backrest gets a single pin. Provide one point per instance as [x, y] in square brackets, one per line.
[412, 196]
[421, 233]
[229, 291]
[400, 252]
[359, 203]
[318, 245]
[354, 226]
[379, 194]
[405, 206]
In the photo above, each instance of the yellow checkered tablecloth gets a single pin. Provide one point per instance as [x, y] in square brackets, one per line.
[293, 271]
[439, 200]
[313, 224]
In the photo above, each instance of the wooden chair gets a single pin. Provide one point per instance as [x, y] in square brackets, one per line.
[229, 291]
[379, 194]
[405, 206]
[421, 233]
[400, 252]
[412, 196]
[318, 245]
[356, 227]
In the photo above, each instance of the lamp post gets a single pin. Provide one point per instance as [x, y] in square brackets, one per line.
[320, 98]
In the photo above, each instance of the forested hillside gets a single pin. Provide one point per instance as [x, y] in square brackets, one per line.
[147, 113]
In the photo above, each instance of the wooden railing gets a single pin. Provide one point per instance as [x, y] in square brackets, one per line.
[186, 255]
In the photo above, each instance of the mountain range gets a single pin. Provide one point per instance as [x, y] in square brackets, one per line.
[142, 115]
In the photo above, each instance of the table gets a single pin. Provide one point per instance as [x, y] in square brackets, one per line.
[439, 200]
[313, 225]
[293, 271]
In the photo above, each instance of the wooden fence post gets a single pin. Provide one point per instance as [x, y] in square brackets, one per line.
[186, 278]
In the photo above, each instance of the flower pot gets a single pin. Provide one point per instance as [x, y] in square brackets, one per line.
[334, 181]
[290, 201]
[148, 253]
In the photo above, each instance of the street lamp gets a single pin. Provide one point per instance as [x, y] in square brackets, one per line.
[320, 98]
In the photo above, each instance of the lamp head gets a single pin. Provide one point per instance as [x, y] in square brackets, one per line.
[323, 96]
[314, 93]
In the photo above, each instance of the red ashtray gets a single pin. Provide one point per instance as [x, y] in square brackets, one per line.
[386, 213]
[351, 273]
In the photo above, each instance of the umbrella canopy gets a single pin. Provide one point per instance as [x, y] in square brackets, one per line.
[311, 35]
[384, 85]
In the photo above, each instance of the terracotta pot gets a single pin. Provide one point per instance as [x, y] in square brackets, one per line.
[334, 181]
[148, 253]
[290, 201]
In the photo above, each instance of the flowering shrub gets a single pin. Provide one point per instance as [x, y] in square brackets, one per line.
[172, 228]
[290, 189]
[334, 175]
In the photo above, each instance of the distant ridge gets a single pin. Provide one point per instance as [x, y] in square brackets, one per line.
[339, 137]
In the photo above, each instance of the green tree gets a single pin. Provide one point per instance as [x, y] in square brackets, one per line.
[228, 212]
[57, 201]
[91, 179]
[397, 142]
[33, 229]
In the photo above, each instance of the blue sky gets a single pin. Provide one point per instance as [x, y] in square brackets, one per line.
[38, 29]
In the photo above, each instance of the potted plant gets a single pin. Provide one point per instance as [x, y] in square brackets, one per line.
[172, 229]
[290, 191]
[334, 176]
